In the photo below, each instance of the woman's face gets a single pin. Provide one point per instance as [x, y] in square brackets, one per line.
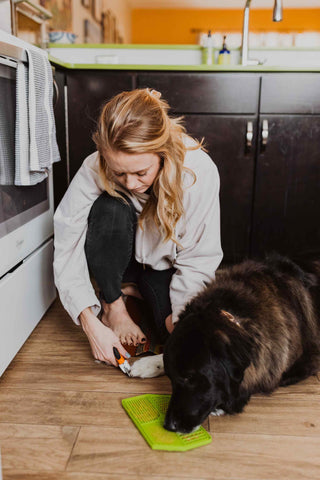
[135, 172]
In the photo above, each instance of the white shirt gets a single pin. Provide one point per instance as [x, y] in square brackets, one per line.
[198, 231]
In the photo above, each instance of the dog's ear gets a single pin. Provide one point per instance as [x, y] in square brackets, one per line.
[232, 349]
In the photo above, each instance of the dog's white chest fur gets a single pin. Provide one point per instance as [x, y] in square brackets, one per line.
[148, 367]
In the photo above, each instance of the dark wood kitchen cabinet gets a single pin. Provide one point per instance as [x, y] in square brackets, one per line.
[221, 108]
[88, 91]
[286, 206]
[286, 209]
[269, 193]
[60, 169]
[225, 140]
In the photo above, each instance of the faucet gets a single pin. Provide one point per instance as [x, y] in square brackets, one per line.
[277, 17]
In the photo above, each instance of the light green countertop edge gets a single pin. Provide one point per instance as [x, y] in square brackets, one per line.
[124, 45]
[165, 47]
[206, 68]
[182, 68]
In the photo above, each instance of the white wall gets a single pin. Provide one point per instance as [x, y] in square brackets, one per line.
[79, 14]
[119, 8]
[5, 16]
[122, 10]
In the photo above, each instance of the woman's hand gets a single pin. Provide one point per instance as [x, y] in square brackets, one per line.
[101, 338]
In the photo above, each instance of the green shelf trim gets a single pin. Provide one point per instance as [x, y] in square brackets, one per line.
[125, 46]
[57, 61]
[286, 49]
[137, 46]
[182, 68]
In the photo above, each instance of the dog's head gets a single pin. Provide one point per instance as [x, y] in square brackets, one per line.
[205, 360]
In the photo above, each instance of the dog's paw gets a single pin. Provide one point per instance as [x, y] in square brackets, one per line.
[218, 412]
[148, 367]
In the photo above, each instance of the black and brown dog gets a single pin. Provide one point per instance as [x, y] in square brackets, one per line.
[253, 329]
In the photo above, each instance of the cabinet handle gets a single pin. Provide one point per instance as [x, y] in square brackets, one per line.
[249, 135]
[56, 89]
[265, 132]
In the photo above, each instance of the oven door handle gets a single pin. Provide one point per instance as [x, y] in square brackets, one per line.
[13, 51]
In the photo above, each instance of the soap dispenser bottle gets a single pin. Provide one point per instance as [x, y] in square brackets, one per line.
[207, 51]
[224, 54]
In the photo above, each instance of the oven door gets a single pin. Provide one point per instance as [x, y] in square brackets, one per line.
[26, 212]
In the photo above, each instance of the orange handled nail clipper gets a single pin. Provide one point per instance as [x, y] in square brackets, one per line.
[122, 362]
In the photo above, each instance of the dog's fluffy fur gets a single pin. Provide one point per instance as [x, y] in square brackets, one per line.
[254, 328]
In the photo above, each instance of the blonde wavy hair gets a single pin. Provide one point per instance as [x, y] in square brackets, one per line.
[138, 122]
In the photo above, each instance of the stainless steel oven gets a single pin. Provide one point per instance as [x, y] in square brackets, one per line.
[18, 204]
[25, 211]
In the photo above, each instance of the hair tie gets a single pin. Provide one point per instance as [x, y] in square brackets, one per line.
[154, 93]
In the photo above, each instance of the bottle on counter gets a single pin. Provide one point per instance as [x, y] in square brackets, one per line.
[207, 50]
[224, 54]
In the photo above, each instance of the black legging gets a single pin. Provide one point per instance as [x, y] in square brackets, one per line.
[110, 253]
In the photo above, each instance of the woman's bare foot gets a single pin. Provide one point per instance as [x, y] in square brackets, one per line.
[116, 317]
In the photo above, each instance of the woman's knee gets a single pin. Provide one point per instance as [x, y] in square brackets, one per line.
[111, 216]
[111, 226]
[107, 207]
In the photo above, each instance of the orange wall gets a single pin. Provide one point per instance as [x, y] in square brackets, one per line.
[169, 26]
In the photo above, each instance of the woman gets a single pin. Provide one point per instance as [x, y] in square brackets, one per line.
[143, 210]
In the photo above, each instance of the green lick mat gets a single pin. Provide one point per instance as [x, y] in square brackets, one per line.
[148, 412]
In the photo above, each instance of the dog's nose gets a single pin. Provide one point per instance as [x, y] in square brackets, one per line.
[170, 424]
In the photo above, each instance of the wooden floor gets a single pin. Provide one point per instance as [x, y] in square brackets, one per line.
[61, 419]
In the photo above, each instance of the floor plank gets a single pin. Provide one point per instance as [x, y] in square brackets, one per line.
[83, 476]
[71, 351]
[61, 408]
[90, 376]
[36, 447]
[274, 415]
[227, 457]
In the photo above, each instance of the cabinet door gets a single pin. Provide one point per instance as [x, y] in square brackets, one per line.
[225, 139]
[88, 91]
[286, 215]
[60, 169]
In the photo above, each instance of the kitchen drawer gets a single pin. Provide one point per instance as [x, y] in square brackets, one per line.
[205, 92]
[290, 93]
[25, 295]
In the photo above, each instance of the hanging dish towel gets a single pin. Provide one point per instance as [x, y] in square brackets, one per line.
[7, 119]
[35, 145]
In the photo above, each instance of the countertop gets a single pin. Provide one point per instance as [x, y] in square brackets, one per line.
[78, 53]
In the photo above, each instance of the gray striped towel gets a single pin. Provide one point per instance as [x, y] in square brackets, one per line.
[6, 137]
[36, 147]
